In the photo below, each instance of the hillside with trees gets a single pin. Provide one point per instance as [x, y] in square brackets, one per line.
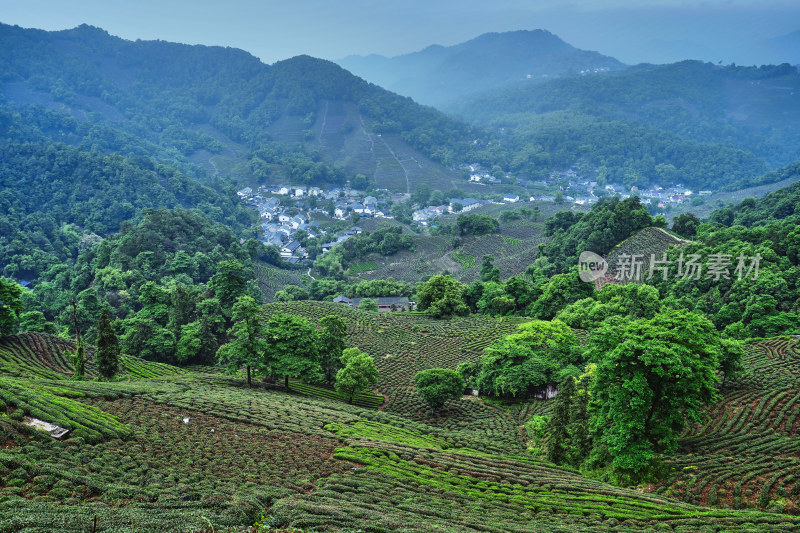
[212, 109]
[682, 112]
[163, 369]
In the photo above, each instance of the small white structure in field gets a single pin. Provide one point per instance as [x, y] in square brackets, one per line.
[57, 432]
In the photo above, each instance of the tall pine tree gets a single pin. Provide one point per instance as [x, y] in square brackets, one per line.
[557, 435]
[331, 345]
[107, 356]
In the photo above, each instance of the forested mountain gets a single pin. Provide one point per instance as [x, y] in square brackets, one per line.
[442, 75]
[220, 110]
[57, 199]
[746, 108]
[778, 205]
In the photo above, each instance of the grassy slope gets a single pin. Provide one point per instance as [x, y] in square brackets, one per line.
[514, 247]
[322, 464]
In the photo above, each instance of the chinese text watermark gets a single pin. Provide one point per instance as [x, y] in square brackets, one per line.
[632, 267]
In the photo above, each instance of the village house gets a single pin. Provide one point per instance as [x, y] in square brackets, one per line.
[292, 248]
[467, 204]
[297, 221]
[385, 304]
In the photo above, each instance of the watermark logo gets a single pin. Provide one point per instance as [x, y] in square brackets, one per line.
[591, 266]
[632, 267]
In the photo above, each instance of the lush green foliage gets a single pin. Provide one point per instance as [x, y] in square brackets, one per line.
[331, 345]
[186, 104]
[441, 296]
[107, 353]
[476, 224]
[608, 223]
[58, 200]
[653, 378]
[11, 306]
[665, 124]
[247, 346]
[529, 358]
[357, 374]
[437, 385]
[291, 348]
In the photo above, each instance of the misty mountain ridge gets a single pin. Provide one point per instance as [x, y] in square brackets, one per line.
[441, 75]
[749, 108]
[210, 109]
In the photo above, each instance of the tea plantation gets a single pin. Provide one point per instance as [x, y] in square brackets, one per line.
[161, 449]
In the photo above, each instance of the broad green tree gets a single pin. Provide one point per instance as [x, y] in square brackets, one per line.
[438, 385]
[561, 290]
[247, 346]
[442, 296]
[107, 355]
[292, 348]
[530, 358]
[368, 304]
[654, 376]
[228, 283]
[357, 374]
[36, 321]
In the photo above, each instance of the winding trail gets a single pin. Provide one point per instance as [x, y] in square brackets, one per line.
[371, 139]
[324, 120]
[405, 170]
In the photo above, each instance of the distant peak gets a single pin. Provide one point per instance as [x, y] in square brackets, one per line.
[88, 29]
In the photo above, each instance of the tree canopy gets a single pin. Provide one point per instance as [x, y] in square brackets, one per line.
[654, 376]
[437, 385]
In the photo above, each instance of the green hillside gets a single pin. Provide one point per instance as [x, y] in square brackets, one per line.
[514, 247]
[747, 108]
[196, 451]
[214, 110]
[47, 357]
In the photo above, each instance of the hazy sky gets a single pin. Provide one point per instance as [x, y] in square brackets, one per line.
[632, 31]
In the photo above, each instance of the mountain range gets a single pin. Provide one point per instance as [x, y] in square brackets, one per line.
[442, 75]
[214, 110]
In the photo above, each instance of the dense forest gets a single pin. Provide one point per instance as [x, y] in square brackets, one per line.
[58, 199]
[745, 108]
[188, 103]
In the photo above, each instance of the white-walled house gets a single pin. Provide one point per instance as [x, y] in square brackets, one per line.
[467, 204]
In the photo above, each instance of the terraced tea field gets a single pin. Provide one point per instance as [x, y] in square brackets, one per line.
[514, 249]
[644, 243]
[747, 452]
[196, 450]
[35, 355]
